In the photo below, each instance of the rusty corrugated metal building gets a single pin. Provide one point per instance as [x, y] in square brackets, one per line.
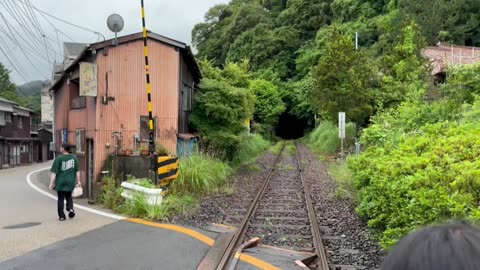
[117, 117]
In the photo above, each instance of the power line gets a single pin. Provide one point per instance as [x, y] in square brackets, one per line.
[23, 24]
[12, 37]
[64, 21]
[16, 69]
[25, 28]
[30, 14]
[26, 56]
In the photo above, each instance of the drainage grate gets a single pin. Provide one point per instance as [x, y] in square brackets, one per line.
[22, 225]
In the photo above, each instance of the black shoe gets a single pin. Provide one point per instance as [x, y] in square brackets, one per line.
[71, 214]
[61, 218]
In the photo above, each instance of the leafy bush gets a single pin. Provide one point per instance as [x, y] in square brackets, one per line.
[463, 83]
[389, 126]
[250, 147]
[200, 174]
[432, 175]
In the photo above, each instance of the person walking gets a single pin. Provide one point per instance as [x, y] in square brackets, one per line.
[65, 175]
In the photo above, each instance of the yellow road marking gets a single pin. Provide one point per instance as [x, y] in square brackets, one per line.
[205, 239]
[257, 262]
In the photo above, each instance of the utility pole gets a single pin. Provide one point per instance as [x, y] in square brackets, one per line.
[151, 145]
[356, 41]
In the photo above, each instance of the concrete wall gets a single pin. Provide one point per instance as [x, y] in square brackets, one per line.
[131, 165]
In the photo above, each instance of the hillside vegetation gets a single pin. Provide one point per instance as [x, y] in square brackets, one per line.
[419, 163]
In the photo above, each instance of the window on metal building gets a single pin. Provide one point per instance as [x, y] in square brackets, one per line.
[80, 139]
[8, 117]
[145, 128]
[2, 119]
[19, 120]
[187, 97]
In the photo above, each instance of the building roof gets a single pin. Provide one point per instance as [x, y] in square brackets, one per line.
[443, 55]
[7, 101]
[16, 106]
[74, 49]
[186, 50]
[25, 109]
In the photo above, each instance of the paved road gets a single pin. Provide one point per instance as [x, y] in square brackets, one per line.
[92, 241]
[20, 204]
[89, 241]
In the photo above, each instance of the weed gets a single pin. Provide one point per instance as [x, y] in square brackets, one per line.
[229, 190]
[285, 167]
[254, 167]
[111, 195]
[143, 182]
[277, 148]
[138, 207]
[342, 174]
[291, 148]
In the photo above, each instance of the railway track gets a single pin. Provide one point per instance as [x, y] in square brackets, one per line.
[281, 215]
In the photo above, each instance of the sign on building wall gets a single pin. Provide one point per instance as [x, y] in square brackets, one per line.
[88, 79]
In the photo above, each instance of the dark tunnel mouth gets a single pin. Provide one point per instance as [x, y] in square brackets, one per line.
[290, 127]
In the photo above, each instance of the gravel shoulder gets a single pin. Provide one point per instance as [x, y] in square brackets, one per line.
[345, 236]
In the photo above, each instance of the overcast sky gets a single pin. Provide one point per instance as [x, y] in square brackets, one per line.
[174, 19]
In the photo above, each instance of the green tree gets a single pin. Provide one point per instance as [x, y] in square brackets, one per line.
[297, 95]
[223, 24]
[267, 49]
[343, 81]
[306, 16]
[404, 69]
[7, 88]
[269, 104]
[463, 84]
[445, 20]
[221, 108]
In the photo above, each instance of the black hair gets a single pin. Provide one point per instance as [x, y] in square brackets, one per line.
[454, 246]
[67, 147]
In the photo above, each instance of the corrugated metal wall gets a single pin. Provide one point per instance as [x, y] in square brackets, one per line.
[124, 65]
[187, 78]
[73, 120]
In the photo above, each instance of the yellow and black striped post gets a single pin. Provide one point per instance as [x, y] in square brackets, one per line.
[151, 146]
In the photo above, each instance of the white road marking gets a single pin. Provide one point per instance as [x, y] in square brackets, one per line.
[88, 209]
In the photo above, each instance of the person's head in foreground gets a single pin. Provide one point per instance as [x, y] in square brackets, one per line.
[453, 246]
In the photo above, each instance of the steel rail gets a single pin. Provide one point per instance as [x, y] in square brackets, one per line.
[322, 263]
[240, 234]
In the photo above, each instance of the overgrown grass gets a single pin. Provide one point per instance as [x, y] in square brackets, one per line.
[250, 148]
[138, 207]
[200, 174]
[324, 139]
[344, 177]
[143, 182]
[291, 148]
[277, 148]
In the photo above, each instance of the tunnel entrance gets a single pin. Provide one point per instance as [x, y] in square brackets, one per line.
[290, 127]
